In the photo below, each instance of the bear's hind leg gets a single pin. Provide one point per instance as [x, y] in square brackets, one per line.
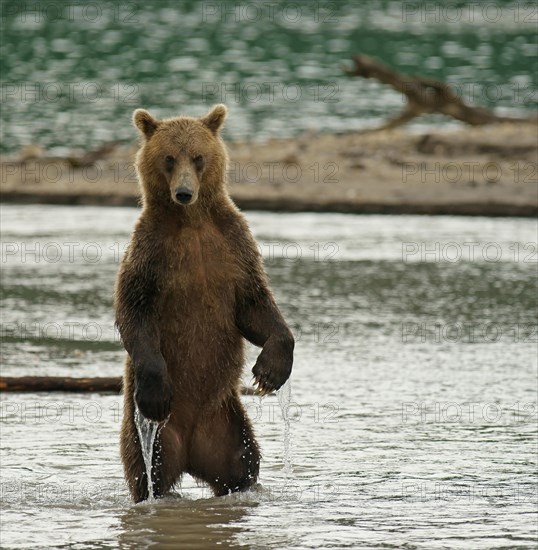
[223, 450]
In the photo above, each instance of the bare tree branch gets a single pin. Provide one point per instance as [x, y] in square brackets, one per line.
[425, 96]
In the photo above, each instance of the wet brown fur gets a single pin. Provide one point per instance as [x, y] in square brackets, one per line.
[190, 288]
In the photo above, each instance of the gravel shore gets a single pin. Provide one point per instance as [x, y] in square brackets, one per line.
[488, 170]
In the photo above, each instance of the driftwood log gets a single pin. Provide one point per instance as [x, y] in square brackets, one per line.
[29, 384]
[425, 96]
[59, 383]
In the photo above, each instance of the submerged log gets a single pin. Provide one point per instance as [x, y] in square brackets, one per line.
[29, 384]
[60, 383]
[424, 96]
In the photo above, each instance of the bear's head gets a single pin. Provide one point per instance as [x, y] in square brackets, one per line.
[182, 161]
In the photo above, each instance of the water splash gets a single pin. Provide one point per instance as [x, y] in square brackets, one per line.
[284, 400]
[147, 431]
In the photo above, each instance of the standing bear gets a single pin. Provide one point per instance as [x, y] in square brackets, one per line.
[190, 289]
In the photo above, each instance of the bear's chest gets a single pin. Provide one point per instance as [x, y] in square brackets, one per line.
[202, 270]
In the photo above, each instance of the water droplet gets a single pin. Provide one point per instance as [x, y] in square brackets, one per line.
[284, 400]
[147, 431]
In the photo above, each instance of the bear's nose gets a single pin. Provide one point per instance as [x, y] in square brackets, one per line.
[183, 195]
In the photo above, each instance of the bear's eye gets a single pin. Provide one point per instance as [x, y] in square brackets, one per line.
[169, 161]
[198, 162]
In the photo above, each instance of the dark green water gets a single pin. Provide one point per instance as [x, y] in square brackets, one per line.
[73, 72]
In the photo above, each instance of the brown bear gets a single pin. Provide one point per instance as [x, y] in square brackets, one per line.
[190, 289]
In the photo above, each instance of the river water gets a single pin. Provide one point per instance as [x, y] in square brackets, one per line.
[411, 409]
[73, 72]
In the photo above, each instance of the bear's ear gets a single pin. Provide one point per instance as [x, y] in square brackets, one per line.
[145, 122]
[215, 118]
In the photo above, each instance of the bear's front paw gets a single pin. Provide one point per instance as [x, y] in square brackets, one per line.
[272, 368]
[154, 397]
